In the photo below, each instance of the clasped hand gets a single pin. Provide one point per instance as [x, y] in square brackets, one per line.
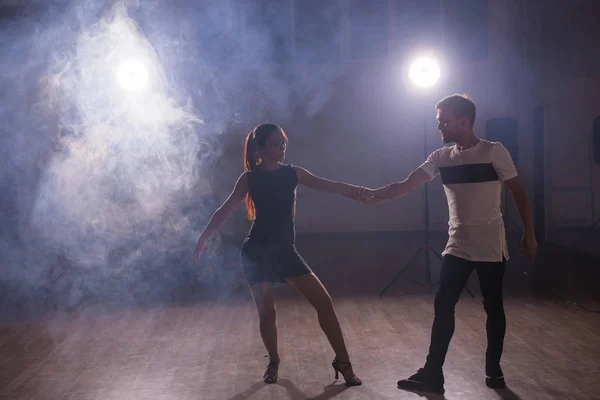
[366, 195]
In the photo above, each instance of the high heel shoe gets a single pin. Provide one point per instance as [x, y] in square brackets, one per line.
[353, 380]
[271, 373]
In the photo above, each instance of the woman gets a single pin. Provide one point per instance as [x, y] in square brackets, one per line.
[269, 252]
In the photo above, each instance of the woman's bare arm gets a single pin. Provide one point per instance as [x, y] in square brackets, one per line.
[222, 213]
[324, 185]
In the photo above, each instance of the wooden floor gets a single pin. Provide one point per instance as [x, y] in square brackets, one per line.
[212, 350]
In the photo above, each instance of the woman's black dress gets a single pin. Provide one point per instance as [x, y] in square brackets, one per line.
[269, 251]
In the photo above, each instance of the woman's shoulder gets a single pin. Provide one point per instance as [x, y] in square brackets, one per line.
[294, 168]
[289, 168]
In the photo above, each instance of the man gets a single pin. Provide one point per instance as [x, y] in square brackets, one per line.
[472, 172]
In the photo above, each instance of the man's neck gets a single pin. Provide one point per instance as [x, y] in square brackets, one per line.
[468, 141]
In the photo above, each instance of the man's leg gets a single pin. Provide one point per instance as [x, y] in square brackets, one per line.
[491, 276]
[453, 277]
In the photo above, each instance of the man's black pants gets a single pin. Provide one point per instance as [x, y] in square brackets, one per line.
[454, 276]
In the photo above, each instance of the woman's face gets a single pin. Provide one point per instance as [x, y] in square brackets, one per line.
[274, 148]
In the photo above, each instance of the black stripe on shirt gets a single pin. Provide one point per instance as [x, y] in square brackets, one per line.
[468, 173]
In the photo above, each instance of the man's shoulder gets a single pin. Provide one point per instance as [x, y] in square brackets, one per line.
[443, 151]
[497, 150]
[487, 144]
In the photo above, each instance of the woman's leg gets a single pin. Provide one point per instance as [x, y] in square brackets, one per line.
[314, 291]
[265, 303]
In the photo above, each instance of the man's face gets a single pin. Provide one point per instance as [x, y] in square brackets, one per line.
[449, 126]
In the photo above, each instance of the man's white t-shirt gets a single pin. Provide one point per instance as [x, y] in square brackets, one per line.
[472, 180]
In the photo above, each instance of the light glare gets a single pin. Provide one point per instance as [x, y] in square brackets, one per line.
[132, 76]
[424, 72]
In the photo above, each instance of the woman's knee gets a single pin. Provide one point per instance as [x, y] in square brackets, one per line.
[267, 314]
[324, 304]
[265, 302]
[324, 308]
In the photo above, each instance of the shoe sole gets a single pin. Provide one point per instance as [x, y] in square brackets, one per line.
[415, 386]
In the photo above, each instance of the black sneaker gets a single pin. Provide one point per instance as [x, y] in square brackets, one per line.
[494, 378]
[424, 381]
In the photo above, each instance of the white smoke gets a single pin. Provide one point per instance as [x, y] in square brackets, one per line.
[125, 156]
[111, 179]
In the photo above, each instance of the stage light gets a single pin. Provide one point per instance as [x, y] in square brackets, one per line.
[424, 72]
[132, 76]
